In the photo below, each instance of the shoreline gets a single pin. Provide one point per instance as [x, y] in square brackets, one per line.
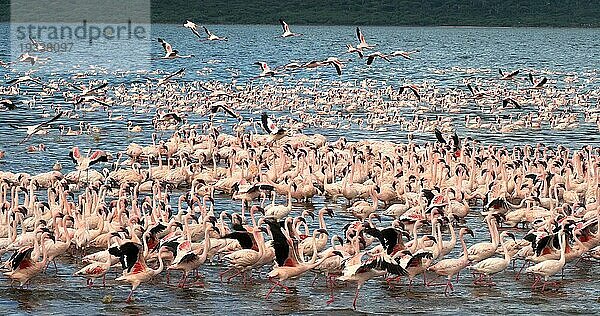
[372, 25]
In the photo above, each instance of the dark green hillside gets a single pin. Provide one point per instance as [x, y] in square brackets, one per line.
[578, 13]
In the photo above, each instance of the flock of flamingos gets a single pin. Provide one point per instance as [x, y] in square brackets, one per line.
[149, 209]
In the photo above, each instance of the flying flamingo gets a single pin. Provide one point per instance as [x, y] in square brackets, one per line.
[362, 42]
[33, 129]
[286, 30]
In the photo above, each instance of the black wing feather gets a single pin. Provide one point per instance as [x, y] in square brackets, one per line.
[265, 123]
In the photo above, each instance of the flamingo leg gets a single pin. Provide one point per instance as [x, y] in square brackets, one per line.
[314, 279]
[479, 279]
[448, 286]
[221, 274]
[330, 285]
[234, 275]
[277, 283]
[181, 281]
[537, 279]
[55, 267]
[518, 275]
[435, 284]
[104, 280]
[250, 278]
[355, 297]
[331, 298]
[244, 277]
[168, 277]
[130, 297]
[492, 283]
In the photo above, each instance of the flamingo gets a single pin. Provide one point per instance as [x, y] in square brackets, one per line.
[193, 27]
[190, 260]
[491, 266]
[509, 75]
[286, 30]
[25, 266]
[171, 53]
[452, 267]
[213, 37]
[265, 69]
[270, 127]
[351, 50]
[537, 84]
[289, 264]
[362, 42]
[136, 271]
[550, 267]
[371, 57]
[37, 128]
[356, 270]
[94, 270]
[84, 163]
[170, 76]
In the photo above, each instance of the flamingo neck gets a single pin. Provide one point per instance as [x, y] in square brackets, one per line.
[204, 255]
[465, 255]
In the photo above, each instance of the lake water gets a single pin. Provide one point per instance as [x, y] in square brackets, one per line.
[444, 60]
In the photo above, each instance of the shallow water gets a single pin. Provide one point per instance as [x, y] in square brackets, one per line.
[444, 54]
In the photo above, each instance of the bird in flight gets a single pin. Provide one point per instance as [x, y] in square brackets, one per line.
[221, 105]
[371, 57]
[87, 91]
[403, 54]
[25, 79]
[286, 30]
[265, 69]
[413, 88]
[84, 163]
[37, 46]
[351, 49]
[537, 84]
[179, 72]
[362, 43]
[193, 27]
[475, 92]
[331, 61]
[211, 36]
[171, 53]
[270, 127]
[33, 129]
[8, 104]
[508, 76]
